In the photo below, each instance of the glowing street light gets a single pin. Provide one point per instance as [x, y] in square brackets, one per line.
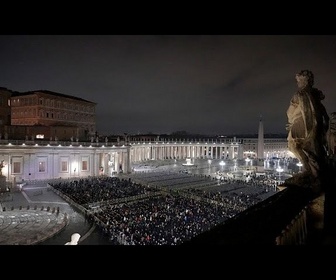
[279, 169]
[299, 164]
[209, 162]
[247, 160]
[222, 163]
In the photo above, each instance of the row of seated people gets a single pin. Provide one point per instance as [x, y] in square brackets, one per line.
[168, 219]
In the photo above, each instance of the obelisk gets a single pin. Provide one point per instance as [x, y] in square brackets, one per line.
[260, 149]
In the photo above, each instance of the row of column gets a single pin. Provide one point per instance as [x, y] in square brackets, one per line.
[114, 162]
[150, 152]
[41, 163]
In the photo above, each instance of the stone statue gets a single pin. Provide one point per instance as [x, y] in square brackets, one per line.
[307, 128]
[332, 134]
[74, 239]
[2, 165]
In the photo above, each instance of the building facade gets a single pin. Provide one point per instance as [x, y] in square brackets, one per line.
[32, 159]
[55, 137]
[50, 109]
[43, 160]
[272, 147]
[5, 110]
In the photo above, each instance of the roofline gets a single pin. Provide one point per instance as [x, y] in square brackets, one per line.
[15, 94]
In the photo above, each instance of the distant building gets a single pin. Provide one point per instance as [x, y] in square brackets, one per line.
[273, 147]
[260, 150]
[5, 110]
[43, 108]
[47, 135]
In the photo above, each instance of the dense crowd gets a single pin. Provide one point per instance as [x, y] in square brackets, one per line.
[164, 216]
[98, 189]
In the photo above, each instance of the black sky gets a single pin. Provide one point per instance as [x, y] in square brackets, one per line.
[207, 84]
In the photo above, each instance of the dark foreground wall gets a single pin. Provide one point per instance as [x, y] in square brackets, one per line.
[260, 224]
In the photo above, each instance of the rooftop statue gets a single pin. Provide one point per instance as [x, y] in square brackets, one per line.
[2, 165]
[307, 127]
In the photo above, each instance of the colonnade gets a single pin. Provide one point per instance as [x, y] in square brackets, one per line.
[161, 151]
[31, 160]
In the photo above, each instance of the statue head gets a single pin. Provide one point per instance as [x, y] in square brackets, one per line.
[304, 78]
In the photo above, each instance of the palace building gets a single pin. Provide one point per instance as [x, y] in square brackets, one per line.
[53, 114]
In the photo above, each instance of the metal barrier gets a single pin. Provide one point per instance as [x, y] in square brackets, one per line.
[295, 233]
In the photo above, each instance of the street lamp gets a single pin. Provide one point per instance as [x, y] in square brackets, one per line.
[279, 169]
[209, 162]
[247, 160]
[222, 163]
[299, 164]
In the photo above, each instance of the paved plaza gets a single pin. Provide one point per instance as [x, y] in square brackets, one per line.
[37, 216]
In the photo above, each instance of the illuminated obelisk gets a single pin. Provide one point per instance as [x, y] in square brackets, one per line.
[260, 151]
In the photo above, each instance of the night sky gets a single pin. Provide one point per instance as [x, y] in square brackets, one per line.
[202, 84]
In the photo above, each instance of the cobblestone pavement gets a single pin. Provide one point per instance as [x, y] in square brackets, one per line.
[28, 227]
[38, 216]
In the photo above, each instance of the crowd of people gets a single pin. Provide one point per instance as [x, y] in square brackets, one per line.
[169, 214]
[91, 190]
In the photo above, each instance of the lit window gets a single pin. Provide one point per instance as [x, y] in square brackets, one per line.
[42, 166]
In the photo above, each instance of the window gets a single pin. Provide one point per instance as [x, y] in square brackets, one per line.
[41, 166]
[16, 167]
[84, 165]
[64, 166]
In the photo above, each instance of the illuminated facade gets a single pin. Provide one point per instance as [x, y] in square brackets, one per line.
[185, 148]
[32, 160]
[273, 147]
[41, 160]
[46, 135]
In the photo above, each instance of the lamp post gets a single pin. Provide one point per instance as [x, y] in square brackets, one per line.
[247, 160]
[209, 162]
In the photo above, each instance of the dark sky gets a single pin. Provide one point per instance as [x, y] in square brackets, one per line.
[207, 84]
